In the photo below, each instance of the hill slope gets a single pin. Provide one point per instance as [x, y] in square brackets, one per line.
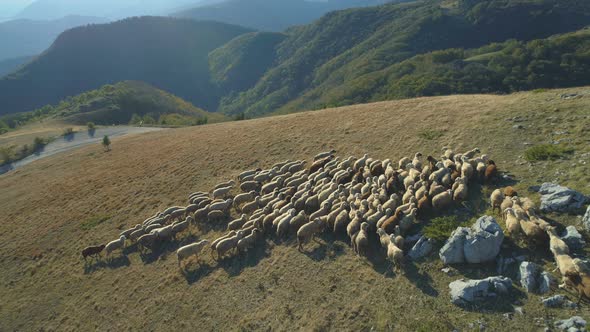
[270, 15]
[29, 37]
[8, 66]
[122, 103]
[56, 206]
[170, 54]
[324, 57]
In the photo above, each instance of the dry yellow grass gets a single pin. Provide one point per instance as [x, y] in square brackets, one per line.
[46, 206]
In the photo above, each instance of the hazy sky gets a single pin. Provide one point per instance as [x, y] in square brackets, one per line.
[12, 7]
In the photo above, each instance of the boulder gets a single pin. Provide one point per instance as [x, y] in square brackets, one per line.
[469, 291]
[556, 198]
[478, 244]
[545, 281]
[452, 251]
[573, 324]
[573, 238]
[558, 301]
[529, 275]
[586, 219]
[483, 243]
[422, 248]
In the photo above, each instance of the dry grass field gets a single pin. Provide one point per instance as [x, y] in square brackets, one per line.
[52, 208]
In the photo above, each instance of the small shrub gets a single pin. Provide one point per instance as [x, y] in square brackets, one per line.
[240, 117]
[94, 221]
[68, 132]
[431, 134]
[91, 126]
[39, 143]
[440, 228]
[547, 152]
[539, 90]
[106, 142]
[202, 121]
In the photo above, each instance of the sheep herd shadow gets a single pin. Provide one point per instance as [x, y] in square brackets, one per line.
[94, 264]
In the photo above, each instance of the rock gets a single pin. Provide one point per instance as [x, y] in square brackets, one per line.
[478, 244]
[484, 242]
[413, 238]
[518, 126]
[529, 274]
[558, 301]
[555, 198]
[545, 281]
[452, 251]
[573, 324]
[470, 291]
[422, 248]
[586, 219]
[573, 238]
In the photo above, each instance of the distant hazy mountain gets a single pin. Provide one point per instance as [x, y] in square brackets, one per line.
[9, 8]
[11, 65]
[24, 37]
[52, 9]
[170, 54]
[271, 15]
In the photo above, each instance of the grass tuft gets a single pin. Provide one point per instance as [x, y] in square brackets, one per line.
[547, 152]
[440, 228]
[430, 134]
[93, 221]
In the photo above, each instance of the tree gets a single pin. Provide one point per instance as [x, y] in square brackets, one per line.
[91, 126]
[106, 143]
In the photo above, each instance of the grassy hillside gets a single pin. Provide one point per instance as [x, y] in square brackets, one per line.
[10, 65]
[122, 103]
[170, 54]
[56, 206]
[270, 15]
[341, 48]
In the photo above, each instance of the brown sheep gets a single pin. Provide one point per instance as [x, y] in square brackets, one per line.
[389, 224]
[491, 171]
[92, 251]
[510, 192]
[319, 164]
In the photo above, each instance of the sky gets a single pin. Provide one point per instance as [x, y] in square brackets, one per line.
[10, 8]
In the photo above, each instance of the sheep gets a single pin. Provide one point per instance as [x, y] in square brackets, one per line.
[395, 254]
[147, 240]
[404, 162]
[181, 226]
[237, 223]
[191, 208]
[533, 231]
[190, 250]
[128, 232]
[580, 282]
[248, 241]
[510, 192]
[323, 155]
[556, 245]
[565, 264]
[221, 192]
[384, 238]
[248, 208]
[216, 241]
[136, 234]
[92, 251]
[227, 244]
[491, 171]
[460, 191]
[496, 199]
[324, 210]
[417, 161]
[308, 231]
[408, 220]
[512, 223]
[466, 168]
[251, 186]
[442, 200]
[243, 198]
[319, 164]
[361, 242]
[471, 153]
[284, 224]
[223, 205]
[299, 220]
[114, 245]
[341, 221]
[171, 209]
[225, 184]
[216, 215]
[355, 225]
[163, 233]
[248, 173]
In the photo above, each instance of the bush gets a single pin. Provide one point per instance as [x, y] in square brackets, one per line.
[68, 132]
[430, 134]
[39, 143]
[240, 117]
[440, 228]
[91, 126]
[106, 142]
[202, 121]
[547, 152]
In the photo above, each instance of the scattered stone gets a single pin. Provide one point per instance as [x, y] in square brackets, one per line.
[586, 219]
[469, 291]
[508, 316]
[569, 96]
[573, 324]
[556, 198]
[573, 238]
[413, 238]
[422, 248]
[519, 310]
[534, 189]
[529, 274]
[518, 126]
[478, 244]
[545, 282]
[558, 301]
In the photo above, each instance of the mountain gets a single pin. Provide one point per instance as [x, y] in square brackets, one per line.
[338, 59]
[270, 15]
[122, 103]
[23, 37]
[8, 66]
[171, 54]
[52, 9]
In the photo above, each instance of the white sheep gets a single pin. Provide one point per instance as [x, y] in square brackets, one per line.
[496, 199]
[114, 245]
[222, 205]
[442, 200]
[237, 223]
[225, 184]
[308, 231]
[361, 242]
[284, 224]
[221, 192]
[190, 250]
[243, 198]
[227, 244]
[248, 173]
[248, 241]
[147, 240]
[323, 155]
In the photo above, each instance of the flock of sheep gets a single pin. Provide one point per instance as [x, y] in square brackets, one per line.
[523, 221]
[352, 196]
